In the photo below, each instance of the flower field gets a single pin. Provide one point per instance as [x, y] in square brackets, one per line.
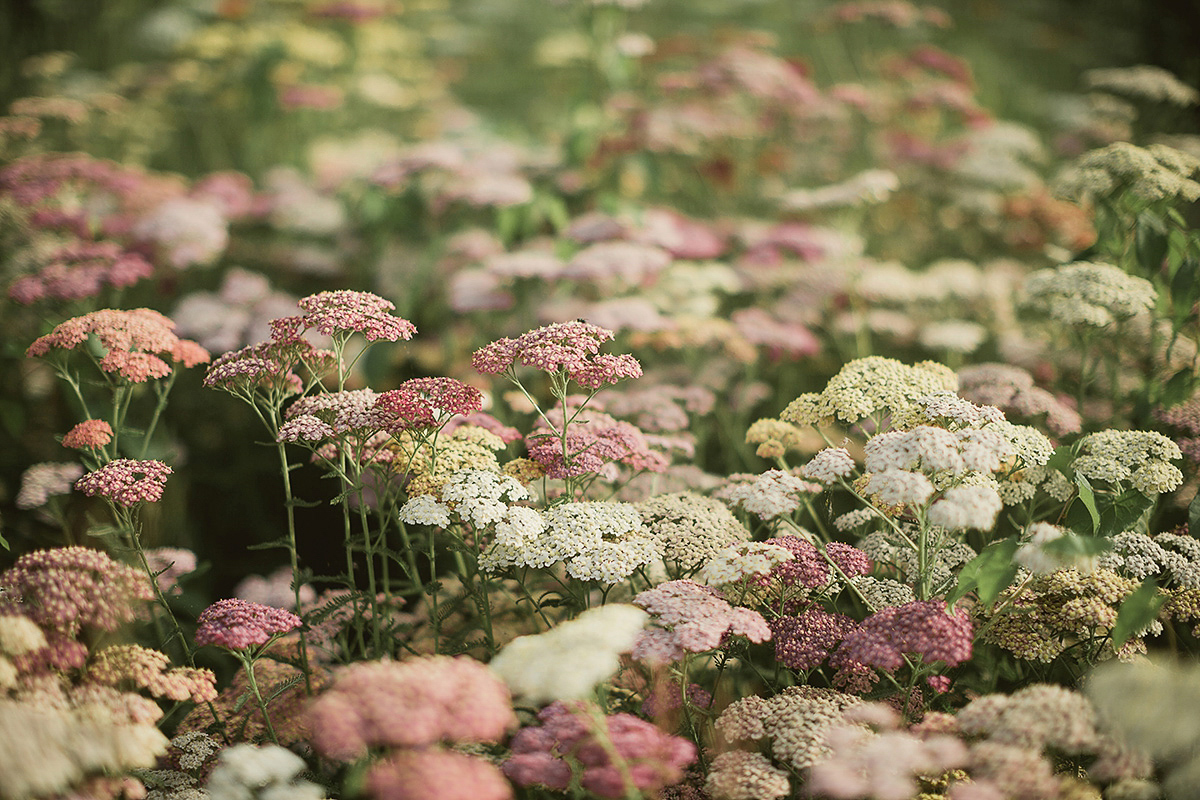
[597, 399]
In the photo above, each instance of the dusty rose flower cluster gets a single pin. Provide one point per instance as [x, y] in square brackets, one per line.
[238, 624]
[90, 434]
[571, 347]
[412, 709]
[135, 340]
[922, 628]
[653, 759]
[150, 670]
[79, 269]
[126, 481]
[692, 618]
[360, 312]
[595, 442]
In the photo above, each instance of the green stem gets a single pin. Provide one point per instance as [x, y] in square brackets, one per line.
[248, 665]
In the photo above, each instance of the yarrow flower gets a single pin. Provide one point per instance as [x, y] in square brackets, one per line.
[737, 563]
[42, 481]
[593, 442]
[923, 628]
[867, 387]
[1087, 294]
[769, 495]
[126, 481]
[692, 618]
[962, 507]
[428, 402]
[133, 340]
[360, 312]
[571, 347]
[829, 465]
[415, 703]
[569, 660]
[237, 624]
[1143, 458]
[90, 434]
[653, 759]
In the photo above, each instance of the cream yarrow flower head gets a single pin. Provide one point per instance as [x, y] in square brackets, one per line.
[740, 562]
[1154, 173]
[870, 387]
[569, 660]
[1140, 457]
[1143, 81]
[1087, 294]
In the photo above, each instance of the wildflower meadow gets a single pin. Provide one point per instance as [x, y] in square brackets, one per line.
[518, 400]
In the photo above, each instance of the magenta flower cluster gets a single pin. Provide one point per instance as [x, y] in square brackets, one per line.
[126, 481]
[239, 624]
[924, 628]
[692, 618]
[427, 402]
[809, 569]
[360, 312]
[653, 759]
[570, 347]
[807, 640]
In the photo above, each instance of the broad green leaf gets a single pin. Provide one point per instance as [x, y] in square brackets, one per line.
[1122, 512]
[1088, 498]
[988, 574]
[1194, 517]
[1072, 547]
[1151, 243]
[1138, 611]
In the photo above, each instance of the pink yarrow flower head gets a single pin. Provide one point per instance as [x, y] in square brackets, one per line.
[268, 366]
[360, 312]
[653, 759]
[239, 624]
[428, 402]
[571, 347]
[90, 434]
[691, 618]
[923, 628]
[126, 481]
[135, 342]
[435, 773]
[409, 704]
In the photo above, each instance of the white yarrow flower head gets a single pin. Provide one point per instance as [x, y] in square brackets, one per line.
[962, 507]
[478, 495]
[769, 495]
[1035, 557]
[568, 661]
[738, 562]
[829, 465]
[1087, 294]
[247, 772]
[1143, 458]
[425, 510]
[897, 487]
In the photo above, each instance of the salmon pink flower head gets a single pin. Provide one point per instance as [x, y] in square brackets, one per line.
[361, 312]
[90, 434]
[239, 624]
[134, 341]
[126, 481]
[427, 402]
[573, 347]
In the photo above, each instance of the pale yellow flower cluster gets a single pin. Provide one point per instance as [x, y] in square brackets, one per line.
[870, 387]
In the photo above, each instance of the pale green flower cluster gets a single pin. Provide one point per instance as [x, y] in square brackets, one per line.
[870, 387]
[1143, 458]
[1153, 173]
[1087, 294]
[1143, 81]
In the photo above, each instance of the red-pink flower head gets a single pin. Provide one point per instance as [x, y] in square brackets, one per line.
[413, 703]
[361, 312]
[90, 434]
[134, 340]
[126, 481]
[653, 759]
[428, 402]
[239, 624]
[809, 569]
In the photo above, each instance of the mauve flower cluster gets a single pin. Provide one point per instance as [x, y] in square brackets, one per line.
[428, 402]
[132, 340]
[570, 347]
[90, 434]
[238, 624]
[77, 270]
[126, 481]
[594, 444]
[693, 618]
[807, 567]
[67, 590]
[42, 481]
[409, 704]
[653, 759]
[268, 366]
[804, 642]
[361, 312]
[922, 628]
[169, 564]
[1012, 390]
